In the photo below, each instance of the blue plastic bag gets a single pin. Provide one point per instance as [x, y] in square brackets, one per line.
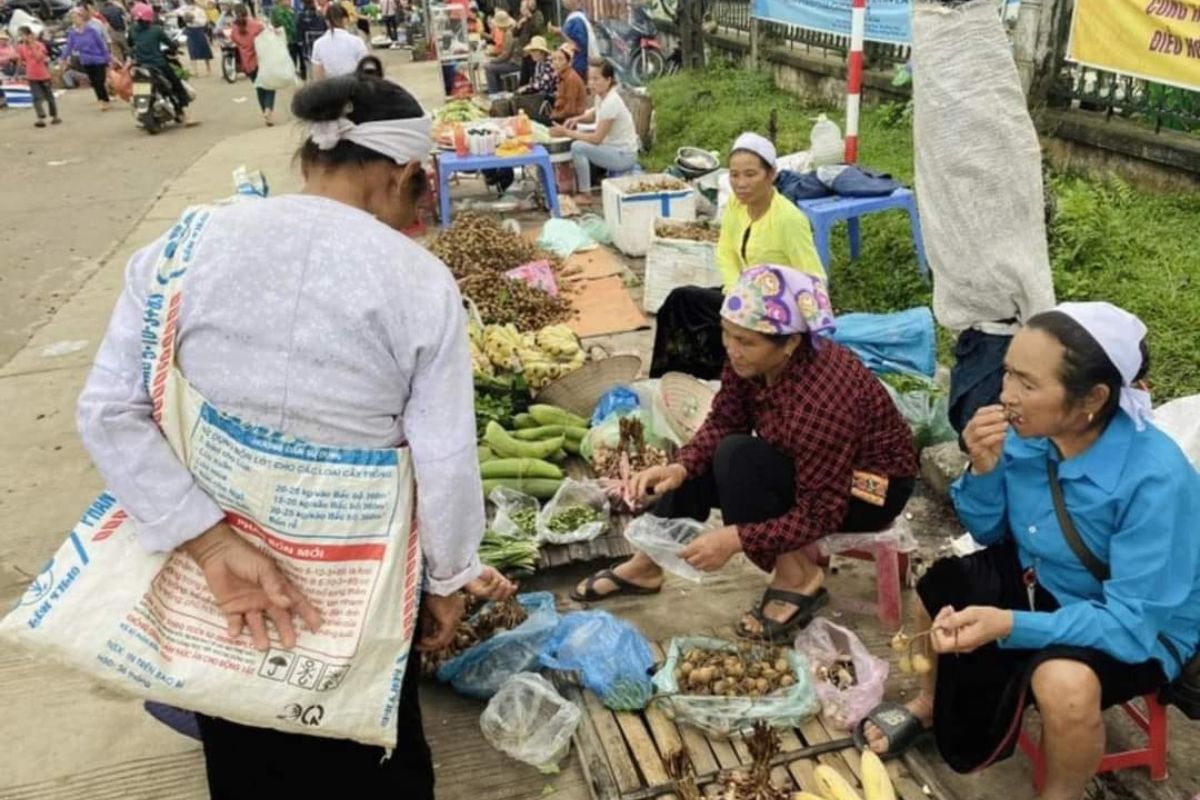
[902, 341]
[612, 657]
[482, 670]
[617, 400]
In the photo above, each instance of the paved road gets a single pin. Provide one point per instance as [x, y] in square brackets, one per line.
[71, 191]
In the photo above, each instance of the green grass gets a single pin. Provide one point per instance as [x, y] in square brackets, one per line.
[1108, 241]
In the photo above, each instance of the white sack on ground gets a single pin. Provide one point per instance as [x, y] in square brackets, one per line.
[978, 164]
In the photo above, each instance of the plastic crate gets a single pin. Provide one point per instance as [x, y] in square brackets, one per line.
[671, 263]
[630, 217]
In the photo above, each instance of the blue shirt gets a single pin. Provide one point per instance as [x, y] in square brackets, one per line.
[576, 29]
[1135, 500]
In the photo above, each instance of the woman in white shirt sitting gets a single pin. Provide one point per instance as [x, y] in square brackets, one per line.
[613, 145]
[338, 51]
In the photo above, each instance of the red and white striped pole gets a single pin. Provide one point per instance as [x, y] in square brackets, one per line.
[854, 73]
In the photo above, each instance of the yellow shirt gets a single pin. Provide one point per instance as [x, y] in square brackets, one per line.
[782, 236]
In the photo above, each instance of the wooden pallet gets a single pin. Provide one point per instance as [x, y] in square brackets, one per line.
[622, 753]
[612, 546]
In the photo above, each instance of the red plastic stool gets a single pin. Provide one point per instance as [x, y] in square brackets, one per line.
[1153, 755]
[890, 568]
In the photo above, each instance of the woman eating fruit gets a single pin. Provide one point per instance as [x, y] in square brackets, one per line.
[1088, 593]
[802, 441]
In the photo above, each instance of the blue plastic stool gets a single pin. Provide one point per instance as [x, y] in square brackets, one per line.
[824, 212]
[449, 163]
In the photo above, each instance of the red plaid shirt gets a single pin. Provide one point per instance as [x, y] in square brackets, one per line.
[832, 416]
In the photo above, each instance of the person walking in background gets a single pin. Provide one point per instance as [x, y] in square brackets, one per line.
[242, 33]
[195, 20]
[388, 10]
[577, 29]
[36, 63]
[86, 44]
[283, 18]
[310, 25]
[114, 13]
[338, 51]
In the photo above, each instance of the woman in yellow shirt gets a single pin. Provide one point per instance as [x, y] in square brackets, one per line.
[759, 226]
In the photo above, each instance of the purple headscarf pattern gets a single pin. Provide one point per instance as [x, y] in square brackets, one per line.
[778, 301]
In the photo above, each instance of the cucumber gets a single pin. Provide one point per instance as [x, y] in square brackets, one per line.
[522, 421]
[519, 468]
[541, 488]
[504, 445]
[540, 432]
[553, 415]
[571, 446]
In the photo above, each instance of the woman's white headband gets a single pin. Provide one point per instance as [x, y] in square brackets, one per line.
[402, 140]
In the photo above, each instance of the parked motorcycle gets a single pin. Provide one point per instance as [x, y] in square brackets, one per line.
[152, 106]
[632, 46]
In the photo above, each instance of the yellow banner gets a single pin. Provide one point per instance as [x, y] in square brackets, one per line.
[1154, 39]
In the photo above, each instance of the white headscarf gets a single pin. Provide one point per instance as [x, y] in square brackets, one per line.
[759, 145]
[1120, 335]
[402, 140]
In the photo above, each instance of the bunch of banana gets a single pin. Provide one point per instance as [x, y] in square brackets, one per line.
[481, 364]
[558, 341]
[501, 344]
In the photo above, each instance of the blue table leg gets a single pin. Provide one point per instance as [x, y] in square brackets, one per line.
[821, 242]
[444, 195]
[918, 241]
[855, 234]
[549, 184]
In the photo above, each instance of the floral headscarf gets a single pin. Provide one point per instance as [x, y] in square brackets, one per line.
[778, 301]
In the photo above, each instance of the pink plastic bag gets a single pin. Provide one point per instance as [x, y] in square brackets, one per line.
[821, 643]
[538, 274]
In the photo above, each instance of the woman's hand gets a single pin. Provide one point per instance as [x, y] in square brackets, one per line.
[572, 123]
[491, 585]
[984, 437]
[246, 584]
[967, 630]
[656, 481]
[711, 551]
[559, 130]
[439, 619]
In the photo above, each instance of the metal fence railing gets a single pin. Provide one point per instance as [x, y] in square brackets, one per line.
[1153, 104]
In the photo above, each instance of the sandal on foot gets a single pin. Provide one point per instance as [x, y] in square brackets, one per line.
[590, 595]
[777, 632]
[900, 726]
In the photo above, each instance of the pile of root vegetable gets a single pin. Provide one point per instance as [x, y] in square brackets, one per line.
[691, 231]
[630, 456]
[753, 670]
[476, 629]
[663, 183]
[478, 251]
[754, 781]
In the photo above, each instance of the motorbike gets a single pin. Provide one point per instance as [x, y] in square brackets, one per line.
[632, 46]
[152, 105]
[231, 63]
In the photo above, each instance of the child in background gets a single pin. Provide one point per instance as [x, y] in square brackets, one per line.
[36, 63]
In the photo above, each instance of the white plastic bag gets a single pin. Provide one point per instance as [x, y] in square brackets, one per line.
[1180, 419]
[573, 494]
[821, 643]
[275, 68]
[663, 539]
[516, 513]
[898, 535]
[528, 720]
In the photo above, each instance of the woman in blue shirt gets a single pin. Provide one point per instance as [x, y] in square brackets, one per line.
[1025, 621]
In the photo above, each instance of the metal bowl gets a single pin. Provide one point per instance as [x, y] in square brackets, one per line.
[695, 162]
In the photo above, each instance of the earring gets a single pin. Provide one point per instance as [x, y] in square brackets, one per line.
[1091, 418]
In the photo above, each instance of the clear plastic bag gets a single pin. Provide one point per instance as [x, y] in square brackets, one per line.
[927, 413]
[655, 432]
[723, 716]
[510, 502]
[529, 720]
[663, 539]
[898, 536]
[482, 670]
[611, 656]
[574, 494]
[821, 643]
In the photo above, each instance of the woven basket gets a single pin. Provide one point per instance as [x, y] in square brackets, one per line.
[580, 391]
[686, 401]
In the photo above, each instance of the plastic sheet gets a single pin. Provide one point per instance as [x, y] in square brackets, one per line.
[570, 494]
[663, 539]
[1180, 419]
[902, 341]
[611, 656]
[529, 720]
[821, 643]
[482, 670]
[723, 716]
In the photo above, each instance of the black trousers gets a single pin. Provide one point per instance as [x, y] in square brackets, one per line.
[977, 376]
[687, 334]
[245, 763]
[392, 29]
[98, 77]
[179, 95]
[751, 481]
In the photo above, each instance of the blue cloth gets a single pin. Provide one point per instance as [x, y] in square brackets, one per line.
[575, 29]
[858, 182]
[902, 341]
[796, 186]
[1135, 500]
[88, 44]
[977, 375]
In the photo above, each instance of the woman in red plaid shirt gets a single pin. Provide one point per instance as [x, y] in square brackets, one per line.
[802, 441]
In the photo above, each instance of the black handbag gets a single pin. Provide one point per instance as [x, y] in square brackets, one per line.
[1184, 691]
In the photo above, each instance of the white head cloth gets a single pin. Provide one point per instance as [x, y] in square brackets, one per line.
[1120, 335]
[402, 140]
[759, 145]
